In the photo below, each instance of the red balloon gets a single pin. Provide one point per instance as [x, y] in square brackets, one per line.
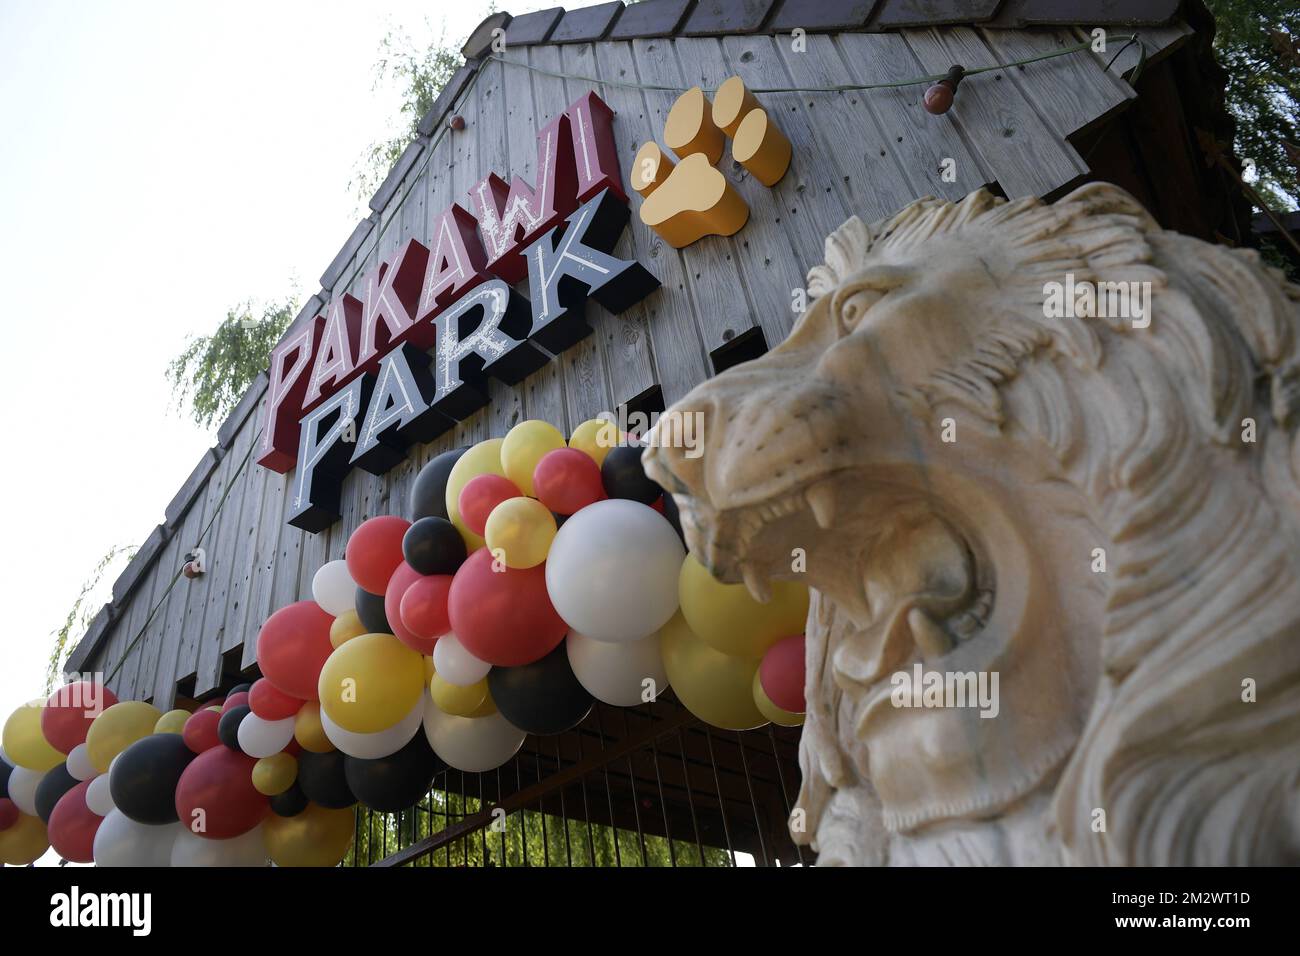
[200, 730]
[424, 610]
[72, 826]
[503, 617]
[219, 782]
[781, 674]
[658, 504]
[375, 550]
[71, 710]
[567, 480]
[480, 495]
[271, 703]
[8, 813]
[402, 578]
[235, 700]
[292, 648]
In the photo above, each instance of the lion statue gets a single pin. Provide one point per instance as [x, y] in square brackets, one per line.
[1093, 498]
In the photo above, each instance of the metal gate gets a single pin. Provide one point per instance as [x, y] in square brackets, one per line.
[644, 786]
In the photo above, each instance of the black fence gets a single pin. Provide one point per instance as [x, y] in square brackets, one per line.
[644, 786]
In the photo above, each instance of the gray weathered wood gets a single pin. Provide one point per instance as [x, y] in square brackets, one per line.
[1025, 155]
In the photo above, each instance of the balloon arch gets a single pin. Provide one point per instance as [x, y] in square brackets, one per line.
[534, 577]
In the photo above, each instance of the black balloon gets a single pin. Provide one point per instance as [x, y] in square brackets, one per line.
[395, 782]
[144, 777]
[228, 726]
[370, 612]
[542, 697]
[290, 803]
[239, 689]
[623, 476]
[433, 546]
[323, 779]
[429, 493]
[52, 786]
[6, 769]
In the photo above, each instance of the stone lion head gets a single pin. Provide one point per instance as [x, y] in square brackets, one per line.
[1097, 504]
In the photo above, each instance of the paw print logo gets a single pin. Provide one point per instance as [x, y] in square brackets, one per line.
[690, 200]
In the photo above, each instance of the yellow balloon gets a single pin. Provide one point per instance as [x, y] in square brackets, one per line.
[714, 687]
[523, 448]
[308, 729]
[345, 627]
[782, 718]
[520, 532]
[483, 459]
[24, 842]
[729, 620]
[370, 683]
[459, 701]
[595, 437]
[488, 707]
[24, 741]
[172, 722]
[315, 837]
[275, 774]
[117, 728]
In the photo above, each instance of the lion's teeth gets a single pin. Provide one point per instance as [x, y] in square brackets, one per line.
[756, 586]
[821, 498]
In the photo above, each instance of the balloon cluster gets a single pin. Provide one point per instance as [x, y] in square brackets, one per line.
[535, 577]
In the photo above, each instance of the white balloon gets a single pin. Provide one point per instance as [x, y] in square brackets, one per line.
[260, 738]
[612, 570]
[98, 797]
[615, 673]
[79, 764]
[247, 849]
[456, 665]
[333, 588]
[120, 841]
[380, 744]
[22, 788]
[471, 744]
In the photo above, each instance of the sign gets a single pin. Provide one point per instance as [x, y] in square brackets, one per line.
[360, 383]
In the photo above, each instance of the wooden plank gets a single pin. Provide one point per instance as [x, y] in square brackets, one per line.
[624, 338]
[257, 604]
[155, 638]
[247, 568]
[811, 201]
[1025, 156]
[722, 309]
[1073, 93]
[917, 141]
[126, 656]
[165, 676]
[224, 565]
[677, 349]
[204, 588]
[583, 368]
[1159, 42]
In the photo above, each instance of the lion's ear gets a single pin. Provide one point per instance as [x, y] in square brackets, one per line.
[846, 250]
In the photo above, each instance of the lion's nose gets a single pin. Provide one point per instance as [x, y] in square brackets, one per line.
[677, 459]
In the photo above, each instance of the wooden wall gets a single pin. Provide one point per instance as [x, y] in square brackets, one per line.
[864, 153]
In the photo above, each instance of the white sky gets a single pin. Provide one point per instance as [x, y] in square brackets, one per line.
[159, 163]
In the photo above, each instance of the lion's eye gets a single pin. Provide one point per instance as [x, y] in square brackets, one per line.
[858, 297]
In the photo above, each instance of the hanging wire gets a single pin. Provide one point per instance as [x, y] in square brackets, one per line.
[836, 87]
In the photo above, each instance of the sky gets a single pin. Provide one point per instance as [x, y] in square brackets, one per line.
[159, 164]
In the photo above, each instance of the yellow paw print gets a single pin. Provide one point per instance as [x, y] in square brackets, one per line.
[691, 200]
